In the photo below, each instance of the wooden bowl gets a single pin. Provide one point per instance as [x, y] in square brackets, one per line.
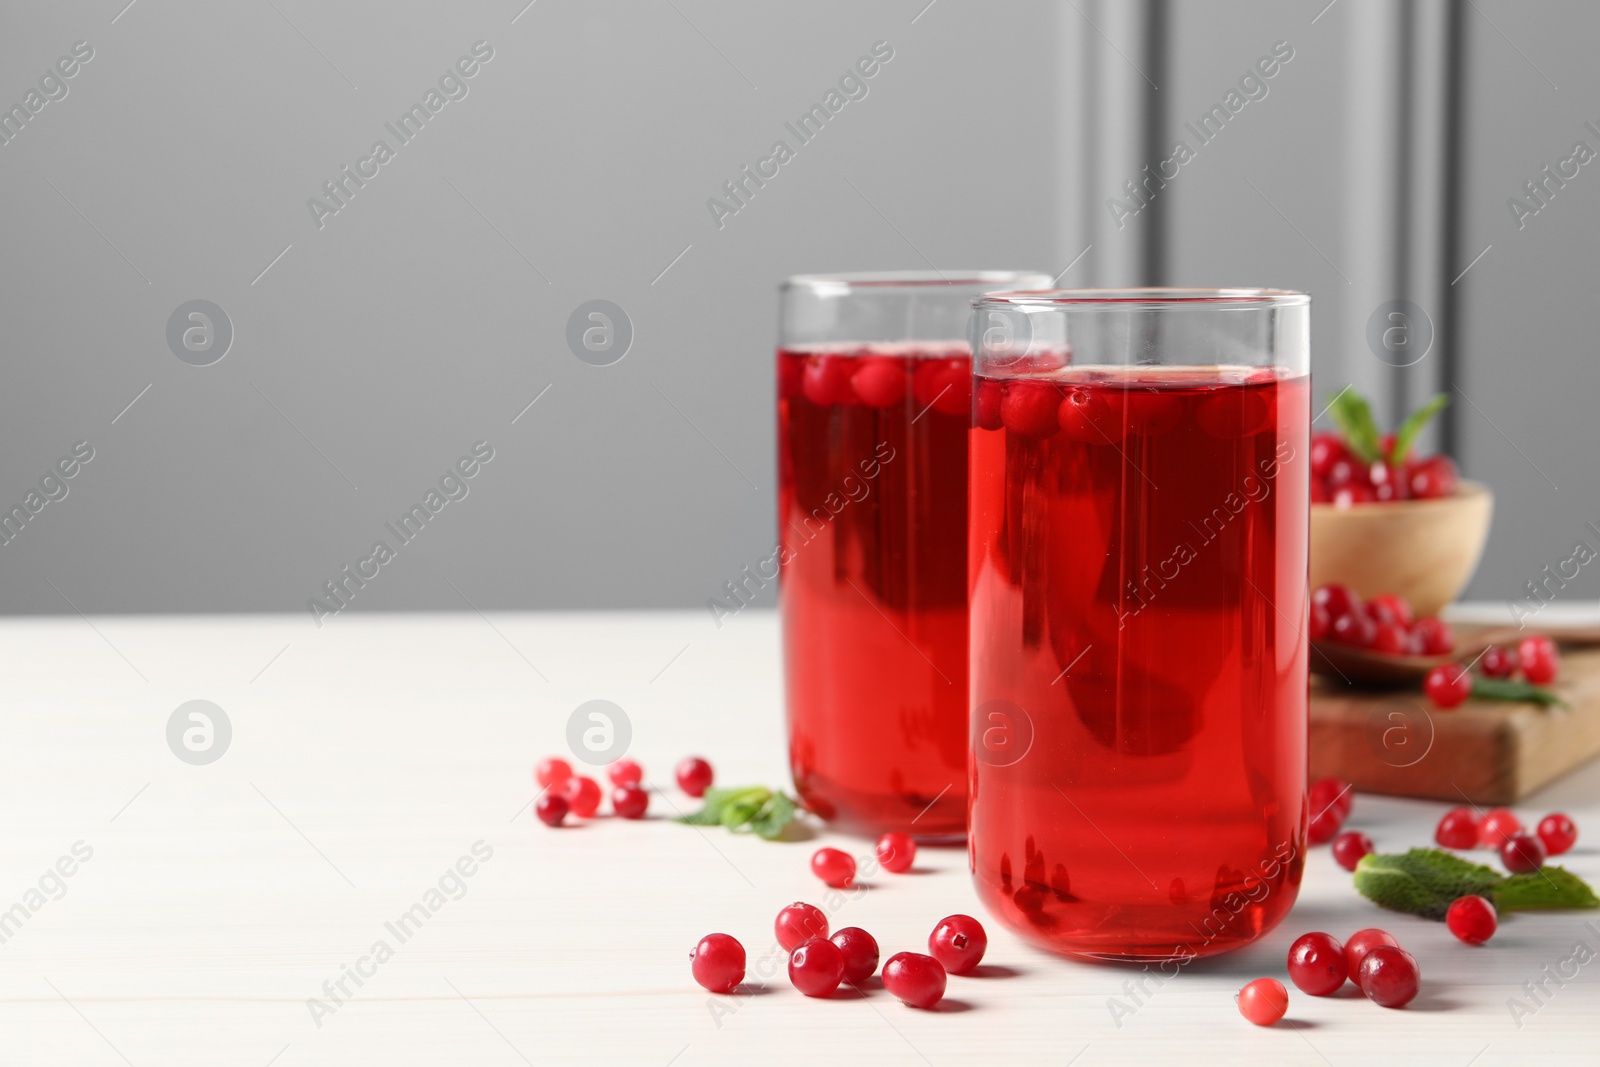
[1423, 550]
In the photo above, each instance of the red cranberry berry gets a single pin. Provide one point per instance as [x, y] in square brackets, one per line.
[880, 382]
[1317, 964]
[1346, 472]
[1353, 628]
[1448, 686]
[1323, 826]
[834, 867]
[1389, 976]
[1539, 659]
[860, 951]
[1335, 793]
[1319, 624]
[629, 801]
[1029, 408]
[815, 967]
[583, 796]
[694, 776]
[896, 852]
[826, 380]
[551, 772]
[1336, 599]
[1349, 847]
[1433, 477]
[1263, 1001]
[1386, 482]
[1361, 942]
[1497, 662]
[1434, 637]
[1458, 829]
[1558, 833]
[798, 922]
[1497, 827]
[1350, 495]
[1523, 853]
[917, 980]
[551, 809]
[1390, 607]
[958, 943]
[717, 963]
[986, 404]
[625, 772]
[1325, 449]
[1391, 638]
[1472, 919]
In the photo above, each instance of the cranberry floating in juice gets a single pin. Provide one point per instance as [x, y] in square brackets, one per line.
[874, 399]
[1139, 507]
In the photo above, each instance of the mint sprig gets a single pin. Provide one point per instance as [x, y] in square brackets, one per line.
[1519, 692]
[748, 809]
[1354, 416]
[1426, 881]
[1407, 433]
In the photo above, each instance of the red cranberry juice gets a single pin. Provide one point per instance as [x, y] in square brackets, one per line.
[872, 504]
[1139, 592]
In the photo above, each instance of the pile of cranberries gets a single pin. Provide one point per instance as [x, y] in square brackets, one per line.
[1536, 656]
[1319, 965]
[819, 964]
[1383, 624]
[1501, 830]
[564, 793]
[1339, 477]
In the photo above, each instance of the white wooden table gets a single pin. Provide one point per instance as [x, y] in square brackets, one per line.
[369, 756]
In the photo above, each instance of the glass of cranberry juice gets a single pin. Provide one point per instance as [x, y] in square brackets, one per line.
[1138, 579]
[874, 395]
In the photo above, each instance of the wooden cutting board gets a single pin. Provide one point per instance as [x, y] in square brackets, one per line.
[1485, 752]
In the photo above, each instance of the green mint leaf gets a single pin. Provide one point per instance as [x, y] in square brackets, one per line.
[1423, 881]
[774, 817]
[1548, 887]
[1413, 425]
[1354, 417]
[1505, 689]
[716, 802]
[744, 806]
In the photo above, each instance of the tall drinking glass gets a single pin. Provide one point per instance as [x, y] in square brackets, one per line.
[874, 397]
[1138, 580]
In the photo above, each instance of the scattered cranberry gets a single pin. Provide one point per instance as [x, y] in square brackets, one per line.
[625, 772]
[583, 796]
[798, 922]
[860, 951]
[1263, 1001]
[717, 963]
[1334, 793]
[694, 776]
[1317, 964]
[1433, 477]
[1497, 662]
[551, 771]
[1434, 637]
[1558, 833]
[958, 943]
[1323, 826]
[1497, 827]
[1349, 847]
[896, 852]
[1448, 686]
[1458, 829]
[1472, 919]
[815, 967]
[1361, 942]
[1389, 976]
[834, 867]
[629, 801]
[1523, 853]
[917, 980]
[1390, 607]
[1538, 658]
[551, 809]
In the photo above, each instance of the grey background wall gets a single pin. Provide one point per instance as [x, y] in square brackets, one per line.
[371, 352]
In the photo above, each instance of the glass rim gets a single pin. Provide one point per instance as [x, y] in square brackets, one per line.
[845, 281]
[1146, 298]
